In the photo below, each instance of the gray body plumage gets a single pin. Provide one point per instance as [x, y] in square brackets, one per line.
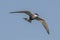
[34, 17]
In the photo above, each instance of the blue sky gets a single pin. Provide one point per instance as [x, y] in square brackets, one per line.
[13, 27]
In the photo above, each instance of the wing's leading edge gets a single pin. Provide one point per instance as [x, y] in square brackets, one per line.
[43, 23]
[26, 12]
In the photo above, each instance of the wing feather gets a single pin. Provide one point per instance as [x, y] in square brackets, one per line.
[43, 23]
[26, 12]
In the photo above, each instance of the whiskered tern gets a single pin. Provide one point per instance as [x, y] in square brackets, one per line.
[34, 17]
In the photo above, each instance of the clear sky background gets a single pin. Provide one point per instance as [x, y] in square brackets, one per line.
[14, 27]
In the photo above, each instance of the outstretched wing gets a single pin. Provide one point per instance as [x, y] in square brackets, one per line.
[26, 12]
[43, 23]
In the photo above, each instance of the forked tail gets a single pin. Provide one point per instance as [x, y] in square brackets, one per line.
[27, 20]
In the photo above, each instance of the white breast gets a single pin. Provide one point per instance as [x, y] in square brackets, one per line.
[35, 16]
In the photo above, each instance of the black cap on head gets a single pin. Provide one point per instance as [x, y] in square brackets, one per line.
[36, 14]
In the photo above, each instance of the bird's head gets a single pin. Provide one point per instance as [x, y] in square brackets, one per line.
[36, 14]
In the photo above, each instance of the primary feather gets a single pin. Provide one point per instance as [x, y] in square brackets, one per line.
[26, 12]
[43, 23]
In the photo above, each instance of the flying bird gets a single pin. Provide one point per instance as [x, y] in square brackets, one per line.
[34, 17]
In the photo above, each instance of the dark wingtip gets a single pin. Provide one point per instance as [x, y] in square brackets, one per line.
[48, 32]
[12, 12]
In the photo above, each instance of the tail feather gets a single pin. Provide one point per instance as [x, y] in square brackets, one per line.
[27, 20]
